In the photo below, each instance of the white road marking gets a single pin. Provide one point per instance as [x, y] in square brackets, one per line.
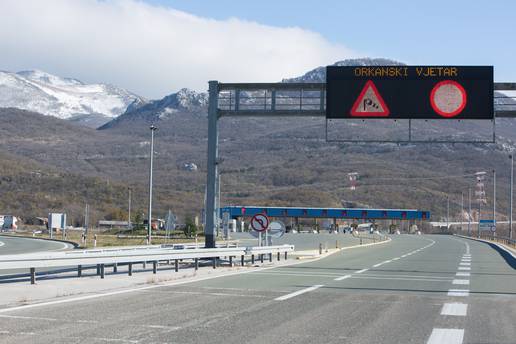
[377, 265]
[446, 336]
[458, 292]
[404, 256]
[342, 277]
[2, 243]
[270, 273]
[402, 279]
[460, 281]
[387, 261]
[396, 258]
[360, 271]
[299, 292]
[456, 309]
[465, 260]
[466, 268]
[465, 274]
[465, 264]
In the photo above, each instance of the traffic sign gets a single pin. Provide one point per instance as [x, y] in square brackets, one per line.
[487, 225]
[260, 222]
[410, 92]
[369, 103]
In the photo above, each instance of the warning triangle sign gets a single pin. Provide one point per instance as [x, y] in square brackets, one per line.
[369, 103]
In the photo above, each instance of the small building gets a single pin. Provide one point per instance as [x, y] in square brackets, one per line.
[107, 224]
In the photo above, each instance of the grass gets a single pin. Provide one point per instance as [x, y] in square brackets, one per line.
[107, 239]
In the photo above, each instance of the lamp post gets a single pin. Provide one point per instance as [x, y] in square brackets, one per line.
[469, 212]
[149, 224]
[448, 212]
[510, 196]
[129, 226]
[494, 199]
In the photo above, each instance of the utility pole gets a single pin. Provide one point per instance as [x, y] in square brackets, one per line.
[149, 225]
[469, 212]
[129, 226]
[448, 212]
[510, 196]
[494, 198]
[86, 218]
[461, 211]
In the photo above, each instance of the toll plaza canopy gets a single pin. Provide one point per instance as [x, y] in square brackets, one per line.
[338, 213]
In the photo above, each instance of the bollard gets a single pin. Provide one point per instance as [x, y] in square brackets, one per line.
[115, 268]
[279, 255]
[176, 265]
[79, 270]
[270, 257]
[242, 260]
[252, 259]
[154, 267]
[130, 269]
[320, 248]
[231, 261]
[336, 244]
[32, 275]
[144, 265]
[95, 240]
[196, 263]
[326, 247]
[102, 271]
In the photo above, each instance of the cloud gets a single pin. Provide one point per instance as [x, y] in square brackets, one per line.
[152, 50]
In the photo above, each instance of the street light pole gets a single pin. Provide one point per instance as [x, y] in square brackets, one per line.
[448, 212]
[149, 224]
[494, 198]
[510, 196]
[129, 226]
[469, 212]
[461, 212]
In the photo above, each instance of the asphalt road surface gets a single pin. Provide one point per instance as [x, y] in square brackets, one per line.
[416, 289]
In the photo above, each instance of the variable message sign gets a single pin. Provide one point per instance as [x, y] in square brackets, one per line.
[410, 92]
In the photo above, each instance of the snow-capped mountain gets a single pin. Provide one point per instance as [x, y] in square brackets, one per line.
[65, 98]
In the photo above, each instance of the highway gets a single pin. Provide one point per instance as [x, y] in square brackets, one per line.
[16, 245]
[415, 289]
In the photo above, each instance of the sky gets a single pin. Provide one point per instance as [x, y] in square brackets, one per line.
[155, 47]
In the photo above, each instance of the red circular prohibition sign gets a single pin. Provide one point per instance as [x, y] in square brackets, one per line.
[442, 98]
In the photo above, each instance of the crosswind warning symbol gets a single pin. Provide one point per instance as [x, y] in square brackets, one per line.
[369, 103]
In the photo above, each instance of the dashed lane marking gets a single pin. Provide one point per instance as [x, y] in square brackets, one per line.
[299, 292]
[456, 309]
[342, 277]
[465, 268]
[464, 274]
[460, 281]
[446, 336]
[458, 292]
[361, 271]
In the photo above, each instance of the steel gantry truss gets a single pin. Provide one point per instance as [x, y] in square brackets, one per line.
[281, 100]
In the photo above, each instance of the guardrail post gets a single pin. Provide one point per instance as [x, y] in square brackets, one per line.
[320, 248]
[79, 270]
[130, 269]
[231, 261]
[196, 264]
[279, 255]
[270, 257]
[214, 262]
[176, 265]
[242, 260]
[144, 265]
[252, 259]
[98, 269]
[261, 257]
[154, 267]
[32, 275]
[285, 255]
[101, 270]
[115, 268]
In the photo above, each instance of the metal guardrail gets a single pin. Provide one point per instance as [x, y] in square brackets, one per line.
[501, 240]
[129, 256]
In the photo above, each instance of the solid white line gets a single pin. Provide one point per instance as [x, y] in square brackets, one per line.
[360, 271]
[446, 336]
[299, 292]
[270, 273]
[342, 277]
[460, 281]
[458, 292]
[466, 268]
[465, 274]
[401, 279]
[457, 309]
